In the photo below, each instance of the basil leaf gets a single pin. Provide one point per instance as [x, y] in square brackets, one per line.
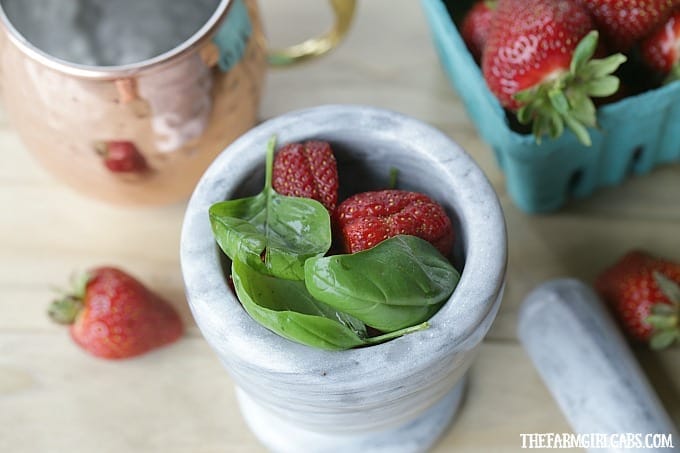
[400, 282]
[286, 308]
[270, 232]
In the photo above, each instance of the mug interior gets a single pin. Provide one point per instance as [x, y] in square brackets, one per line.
[40, 32]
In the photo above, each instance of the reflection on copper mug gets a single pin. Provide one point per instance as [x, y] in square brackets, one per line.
[143, 132]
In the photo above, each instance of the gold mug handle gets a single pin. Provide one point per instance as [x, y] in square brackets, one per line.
[314, 47]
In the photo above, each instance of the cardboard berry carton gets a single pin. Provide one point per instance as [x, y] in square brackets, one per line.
[635, 133]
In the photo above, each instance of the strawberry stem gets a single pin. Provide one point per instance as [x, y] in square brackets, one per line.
[673, 75]
[668, 287]
[664, 316]
[64, 311]
[79, 285]
[565, 100]
[663, 339]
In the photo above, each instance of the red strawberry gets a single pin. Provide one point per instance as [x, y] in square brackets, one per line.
[476, 25]
[624, 22]
[122, 157]
[644, 294]
[368, 218]
[307, 170]
[114, 316]
[661, 50]
[537, 62]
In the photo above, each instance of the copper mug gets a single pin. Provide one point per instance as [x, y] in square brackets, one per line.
[143, 133]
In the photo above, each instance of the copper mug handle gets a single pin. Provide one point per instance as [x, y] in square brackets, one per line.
[314, 47]
[306, 50]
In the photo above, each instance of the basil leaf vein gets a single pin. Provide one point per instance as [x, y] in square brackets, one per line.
[270, 232]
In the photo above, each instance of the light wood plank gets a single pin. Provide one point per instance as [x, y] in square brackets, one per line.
[55, 398]
[180, 399]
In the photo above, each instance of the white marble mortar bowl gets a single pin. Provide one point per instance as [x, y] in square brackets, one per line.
[398, 396]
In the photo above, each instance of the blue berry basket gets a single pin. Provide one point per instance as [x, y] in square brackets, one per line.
[636, 133]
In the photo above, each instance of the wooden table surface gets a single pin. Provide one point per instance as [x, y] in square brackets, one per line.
[55, 398]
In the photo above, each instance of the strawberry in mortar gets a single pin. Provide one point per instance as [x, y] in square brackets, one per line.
[368, 218]
[307, 170]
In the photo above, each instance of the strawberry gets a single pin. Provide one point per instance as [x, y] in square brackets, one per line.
[367, 218]
[624, 22]
[114, 316]
[476, 25]
[644, 294]
[307, 170]
[538, 63]
[661, 50]
[122, 157]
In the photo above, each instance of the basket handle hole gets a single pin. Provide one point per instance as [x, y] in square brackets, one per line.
[574, 181]
[635, 158]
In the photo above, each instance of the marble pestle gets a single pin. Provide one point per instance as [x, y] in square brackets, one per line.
[588, 366]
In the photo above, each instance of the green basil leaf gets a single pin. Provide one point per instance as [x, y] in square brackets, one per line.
[286, 308]
[270, 232]
[400, 282]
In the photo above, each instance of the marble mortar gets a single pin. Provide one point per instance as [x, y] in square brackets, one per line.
[399, 396]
